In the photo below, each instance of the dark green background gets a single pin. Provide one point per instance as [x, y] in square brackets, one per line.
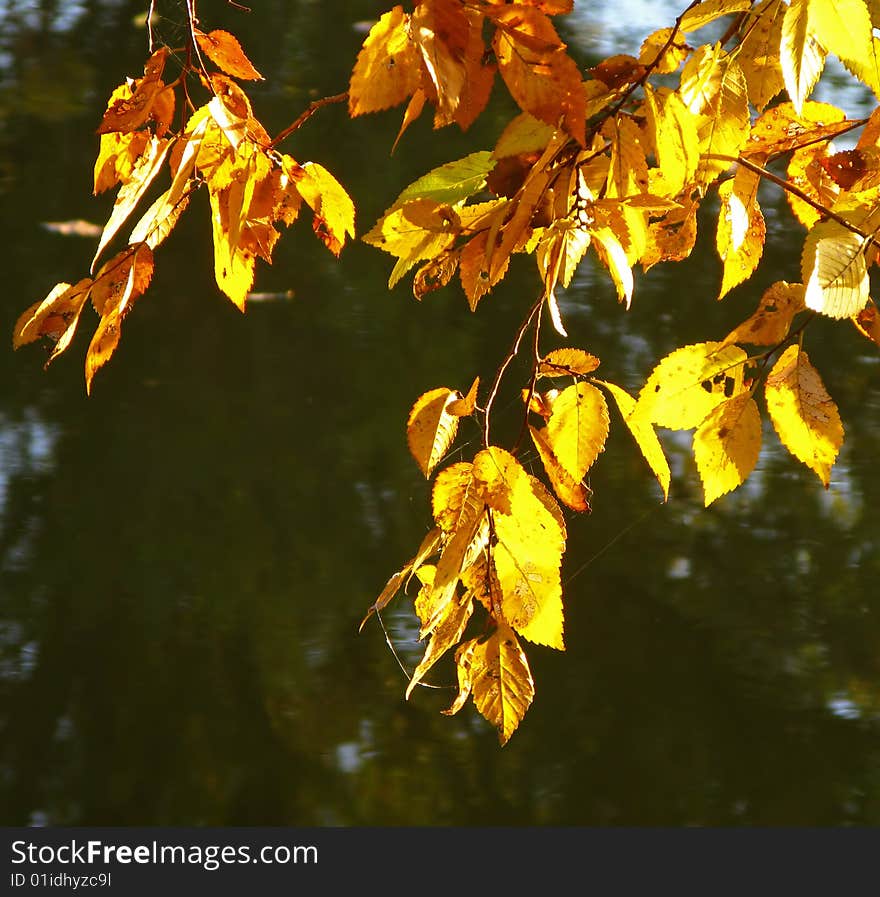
[185, 557]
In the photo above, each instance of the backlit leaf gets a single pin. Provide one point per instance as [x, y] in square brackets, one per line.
[801, 54]
[333, 209]
[759, 52]
[440, 30]
[446, 632]
[834, 270]
[867, 322]
[224, 50]
[431, 428]
[387, 68]
[689, 383]
[571, 493]
[676, 142]
[567, 362]
[741, 229]
[770, 323]
[495, 672]
[644, 434]
[726, 445]
[577, 428]
[804, 415]
[451, 183]
[56, 317]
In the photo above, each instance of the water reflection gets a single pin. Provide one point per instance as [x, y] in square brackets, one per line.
[186, 556]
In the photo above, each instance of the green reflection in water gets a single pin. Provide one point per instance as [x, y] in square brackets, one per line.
[185, 557]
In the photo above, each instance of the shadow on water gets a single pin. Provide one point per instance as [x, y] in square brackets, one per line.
[185, 557]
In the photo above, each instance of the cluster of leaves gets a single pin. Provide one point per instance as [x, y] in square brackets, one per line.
[618, 159]
[221, 146]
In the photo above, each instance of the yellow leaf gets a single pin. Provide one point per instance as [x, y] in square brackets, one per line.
[613, 256]
[526, 557]
[158, 221]
[523, 134]
[332, 206]
[673, 54]
[834, 271]
[804, 415]
[701, 14]
[431, 428]
[727, 444]
[713, 87]
[689, 383]
[676, 144]
[741, 229]
[572, 494]
[439, 29]
[843, 27]
[577, 428]
[759, 52]
[628, 173]
[644, 434]
[567, 362]
[496, 673]
[672, 237]
[801, 53]
[430, 545]
[224, 50]
[131, 192]
[771, 321]
[387, 68]
[446, 632]
[419, 229]
[783, 128]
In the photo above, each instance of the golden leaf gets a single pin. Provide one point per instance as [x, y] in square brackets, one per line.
[771, 321]
[119, 282]
[56, 317]
[644, 434]
[542, 78]
[702, 14]
[834, 270]
[465, 405]
[132, 191]
[577, 428]
[523, 134]
[674, 130]
[741, 229]
[129, 112]
[689, 383]
[784, 128]
[567, 362]
[440, 29]
[526, 556]
[673, 53]
[387, 68]
[572, 494]
[446, 632]
[496, 673]
[430, 428]
[726, 445]
[628, 173]
[713, 87]
[759, 52]
[613, 256]
[224, 50]
[117, 157]
[430, 545]
[332, 206]
[803, 414]
[671, 237]
[801, 54]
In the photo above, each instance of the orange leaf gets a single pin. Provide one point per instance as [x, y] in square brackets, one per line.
[224, 50]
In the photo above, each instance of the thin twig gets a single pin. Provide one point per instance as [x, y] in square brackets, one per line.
[310, 110]
[505, 364]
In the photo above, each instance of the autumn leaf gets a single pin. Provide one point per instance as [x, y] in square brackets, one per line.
[495, 672]
[769, 324]
[689, 383]
[801, 53]
[431, 428]
[834, 270]
[759, 55]
[804, 415]
[224, 50]
[55, 317]
[727, 444]
[644, 434]
[562, 362]
[332, 206]
[387, 68]
[741, 229]
[577, 428]
[674, 133]
[570, 492]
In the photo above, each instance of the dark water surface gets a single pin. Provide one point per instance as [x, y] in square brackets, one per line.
[185, 557]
